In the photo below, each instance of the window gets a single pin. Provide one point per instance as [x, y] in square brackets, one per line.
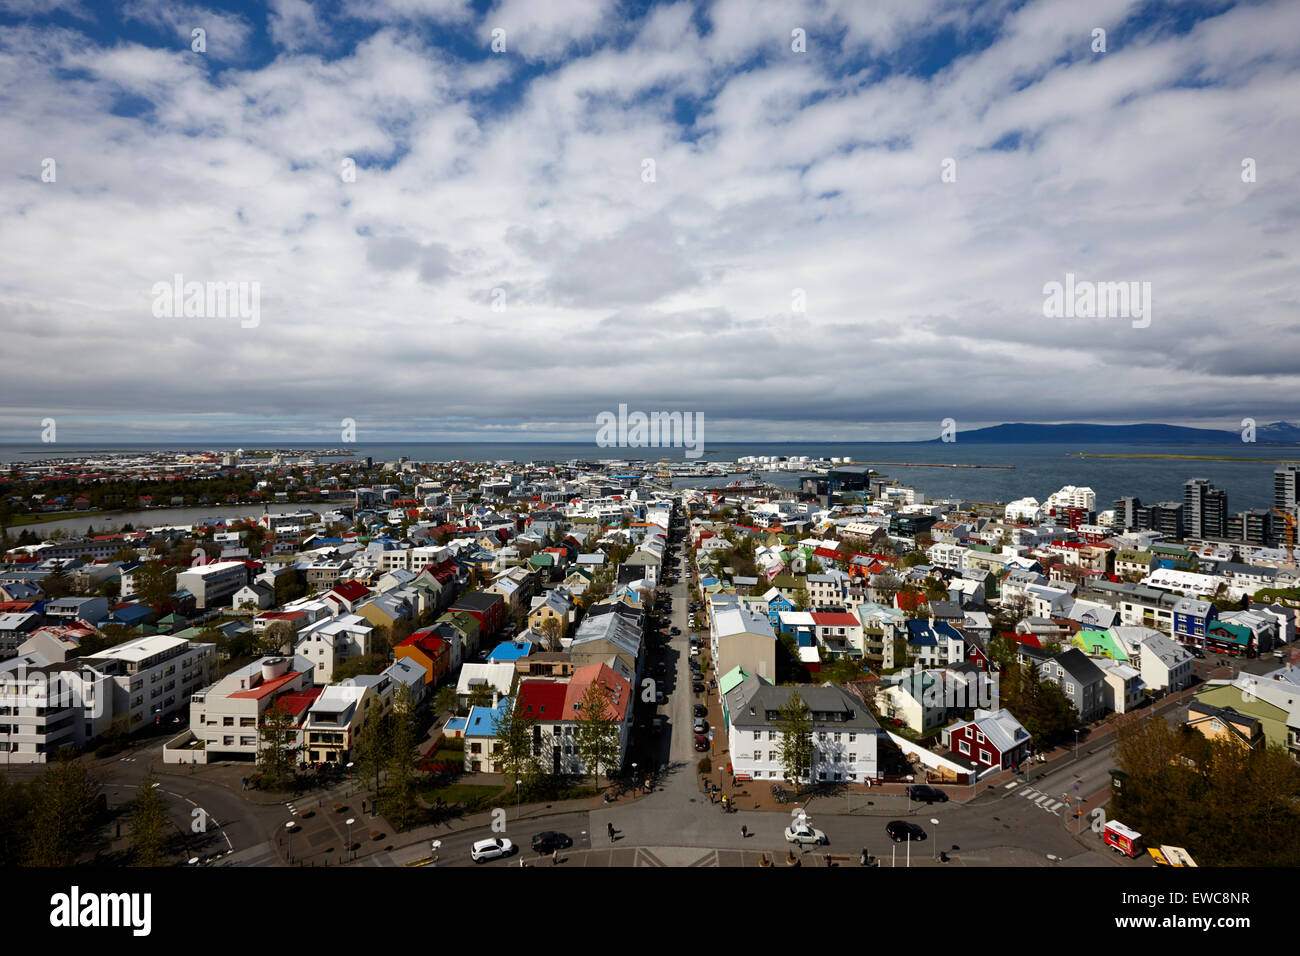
[963, 747]
[758, 755]
[227, 721]
[852, 737]
[771, 756]
[853, 758]
[837, 737]
[771, 735]
[1069, 688]
[979, 737]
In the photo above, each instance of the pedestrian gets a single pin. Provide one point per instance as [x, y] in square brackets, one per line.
[555, 857]
[744, 832]
[611, 832]
[862, 860]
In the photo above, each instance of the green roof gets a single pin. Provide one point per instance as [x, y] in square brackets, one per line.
[730, 679]
[1101, 642]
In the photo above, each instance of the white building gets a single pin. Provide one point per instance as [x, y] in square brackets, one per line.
[210, 583]
[844, 733]
[227, 715]
[328, 643]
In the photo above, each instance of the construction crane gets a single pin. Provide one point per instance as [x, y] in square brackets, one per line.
[1290, 535]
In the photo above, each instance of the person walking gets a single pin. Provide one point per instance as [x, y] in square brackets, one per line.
[611, 832]
[862, 860]
[555, 857]
[744, 832]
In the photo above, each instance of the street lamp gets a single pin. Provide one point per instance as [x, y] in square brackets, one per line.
[289, 829]
[935, 849]
[634, 777]
[518, 782]
[350, 821]
[1076, 743]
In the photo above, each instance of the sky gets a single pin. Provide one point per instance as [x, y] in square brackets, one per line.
[496, 219]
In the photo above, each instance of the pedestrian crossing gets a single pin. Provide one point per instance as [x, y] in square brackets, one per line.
[1042, 800]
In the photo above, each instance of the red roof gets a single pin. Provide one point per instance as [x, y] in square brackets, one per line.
[541, 699]
[296, 702]
[835, 619]
[425, 640]
[266, 687]
[350, 590]
[909, 600]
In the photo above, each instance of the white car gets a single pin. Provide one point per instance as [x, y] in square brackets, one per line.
[491, 849]
[802, 833]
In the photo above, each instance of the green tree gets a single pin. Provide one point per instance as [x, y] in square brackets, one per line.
[445, 700]
[399, 801]
[276, 639]
[515, 748]
[794, 721]
[15, 811]
[150, 828]
[64, 802]
[373, 745]
[596, 733]
[277, 756]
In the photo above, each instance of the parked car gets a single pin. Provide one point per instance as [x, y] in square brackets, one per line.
[491, 849]
[802, 833]
[549, 840]
[701, 743]
[900, 830]
[926, 794]
[701, 710]
[697, 687]
[701, 725]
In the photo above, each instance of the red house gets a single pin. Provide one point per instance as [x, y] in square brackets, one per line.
[489, 609]
[993, 739]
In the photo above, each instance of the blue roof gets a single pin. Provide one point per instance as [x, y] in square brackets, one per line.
[510, 651]
[457, 723]
[482, 721]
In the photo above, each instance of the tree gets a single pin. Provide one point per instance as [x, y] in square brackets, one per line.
[553, 630]
[278, 754]
[274, 639]
[149, 824]
[15, 810]
[445, 700]
[596, 734]
[372, 745]
[403, 756]
[64, 800]
[153, 584]
[794, 720]
[515, 749]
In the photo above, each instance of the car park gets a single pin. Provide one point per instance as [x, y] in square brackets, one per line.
[549, 841]
[900, 830]
[491, 849]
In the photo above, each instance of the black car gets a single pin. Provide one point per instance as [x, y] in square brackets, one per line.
[697, 687]
[550, 841]
[900, 830]
[701, 710]
[927, 794]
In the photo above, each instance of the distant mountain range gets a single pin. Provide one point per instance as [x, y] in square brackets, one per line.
[1149, 434]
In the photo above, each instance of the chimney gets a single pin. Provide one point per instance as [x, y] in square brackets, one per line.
[495, 695]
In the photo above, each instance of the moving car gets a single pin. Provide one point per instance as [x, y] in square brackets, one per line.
[926, 794]
[802, 833]
[900, 830]
[549, 840]
[491, 849]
